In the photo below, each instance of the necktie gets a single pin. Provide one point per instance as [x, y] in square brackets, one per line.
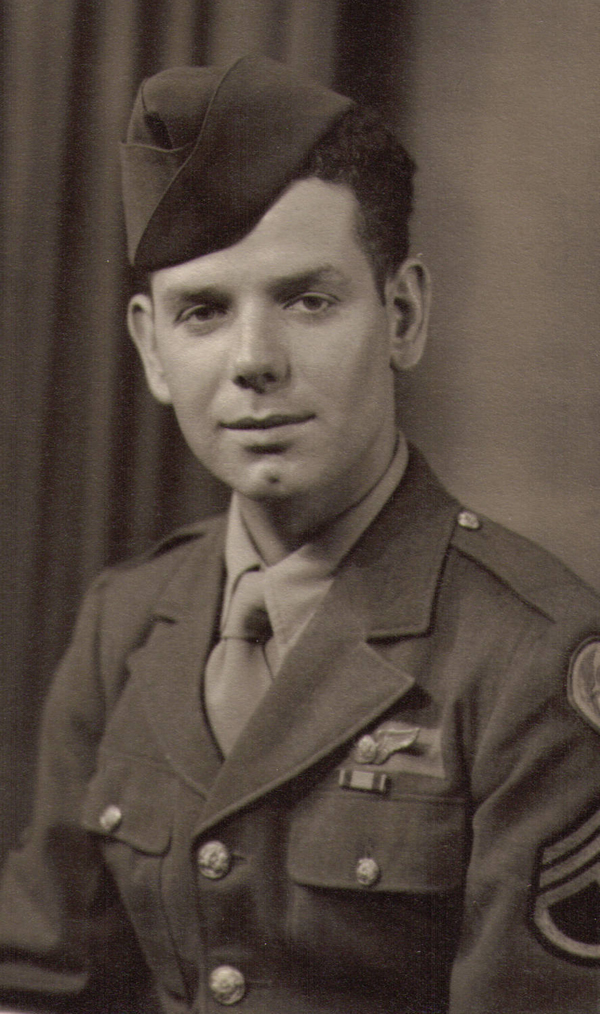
[237, 674]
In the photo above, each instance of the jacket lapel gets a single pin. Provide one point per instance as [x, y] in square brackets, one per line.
[169, 665]
[333, 682]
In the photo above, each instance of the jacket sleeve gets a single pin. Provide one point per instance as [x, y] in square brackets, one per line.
[531, 935]
[64, 939]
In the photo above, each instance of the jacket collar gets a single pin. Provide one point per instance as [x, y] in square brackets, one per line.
[392, 573]
[333, 682]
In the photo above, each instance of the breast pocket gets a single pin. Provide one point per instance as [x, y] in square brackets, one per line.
[130, 806]
[377, 882]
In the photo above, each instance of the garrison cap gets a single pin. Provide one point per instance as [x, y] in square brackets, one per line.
[209, 150]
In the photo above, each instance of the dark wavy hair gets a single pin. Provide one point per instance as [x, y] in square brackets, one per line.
[363, 153]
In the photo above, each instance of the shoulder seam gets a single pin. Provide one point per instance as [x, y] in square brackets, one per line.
[505, 581]
[178, 537]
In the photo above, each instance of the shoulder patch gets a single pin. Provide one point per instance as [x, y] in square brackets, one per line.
[566, 896]
[584, 681]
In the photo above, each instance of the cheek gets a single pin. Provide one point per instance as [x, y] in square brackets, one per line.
[355, 368]
[190, 379]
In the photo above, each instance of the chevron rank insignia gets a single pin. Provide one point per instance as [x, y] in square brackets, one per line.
[567, 894]
[584, 681]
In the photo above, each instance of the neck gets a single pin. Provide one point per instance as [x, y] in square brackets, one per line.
[280, 527]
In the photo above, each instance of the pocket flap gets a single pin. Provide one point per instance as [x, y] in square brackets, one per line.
[418, 843]
[132, 802]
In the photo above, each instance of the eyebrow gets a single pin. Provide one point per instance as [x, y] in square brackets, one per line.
[183, 295]
[290, 285]
[280, 288]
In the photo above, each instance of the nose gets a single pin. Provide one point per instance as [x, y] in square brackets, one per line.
[260, 360]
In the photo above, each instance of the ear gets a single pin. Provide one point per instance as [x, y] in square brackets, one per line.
[141, 326]
[407, 300]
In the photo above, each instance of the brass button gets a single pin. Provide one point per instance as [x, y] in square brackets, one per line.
[110, 818]
[214, 860]
[227, 984]
[468, 519]
[366, 750]
[367, 872]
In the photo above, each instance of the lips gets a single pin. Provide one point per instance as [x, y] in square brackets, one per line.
[267, 423]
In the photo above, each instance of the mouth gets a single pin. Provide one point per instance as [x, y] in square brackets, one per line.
[269, 422]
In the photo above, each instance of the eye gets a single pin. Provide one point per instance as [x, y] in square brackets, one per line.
[202, 318]
[204, 313]
[311, 303]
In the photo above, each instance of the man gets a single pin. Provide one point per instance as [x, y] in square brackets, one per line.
[338, 751]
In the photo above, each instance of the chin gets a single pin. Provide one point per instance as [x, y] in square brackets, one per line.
[272, 482]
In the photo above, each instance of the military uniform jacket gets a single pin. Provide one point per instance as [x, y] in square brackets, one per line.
[408, 824]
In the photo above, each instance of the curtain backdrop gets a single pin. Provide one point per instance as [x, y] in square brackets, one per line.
[499, 104]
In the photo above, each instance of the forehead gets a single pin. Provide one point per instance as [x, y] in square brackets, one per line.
[314, 223]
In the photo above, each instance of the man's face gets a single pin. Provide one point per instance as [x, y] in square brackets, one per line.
[276, 354]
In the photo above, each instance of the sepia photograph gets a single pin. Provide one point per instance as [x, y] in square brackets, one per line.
[300, 698]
